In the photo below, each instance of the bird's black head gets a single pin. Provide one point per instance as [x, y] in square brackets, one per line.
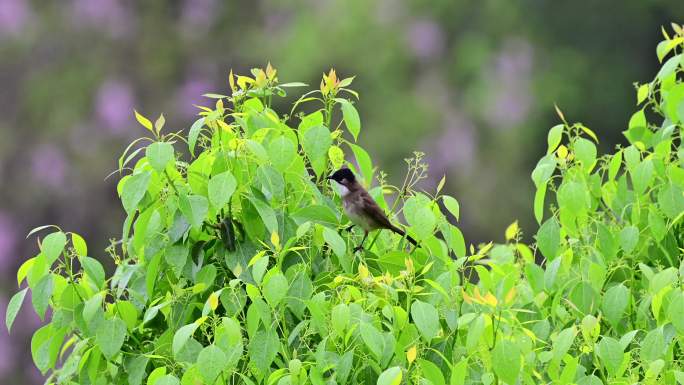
[343, 176]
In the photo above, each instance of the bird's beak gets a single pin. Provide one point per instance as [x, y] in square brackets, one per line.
[329, 177]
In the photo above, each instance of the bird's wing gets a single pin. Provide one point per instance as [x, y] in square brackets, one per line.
[372, 211]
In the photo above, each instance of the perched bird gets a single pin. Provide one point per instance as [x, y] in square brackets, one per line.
[361, 208]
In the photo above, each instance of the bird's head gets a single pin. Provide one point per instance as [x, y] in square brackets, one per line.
[343, 176]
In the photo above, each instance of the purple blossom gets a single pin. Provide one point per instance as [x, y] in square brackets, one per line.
[511, 80]
[8, 241]
[114, 104]
[48, 165]
[197, 13]
[109, 15]
[191, 93]
[14, 15]
[426, 39]
[456, 145]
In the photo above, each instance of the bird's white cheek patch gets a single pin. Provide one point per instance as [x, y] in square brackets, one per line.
[343, 190]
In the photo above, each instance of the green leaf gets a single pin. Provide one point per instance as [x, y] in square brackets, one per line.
[653, 345]
[452, 205]
[211, 362]
[364, 162]
[52, 246]
[585, 152]
[671, 200]
[544, 170]
[94, 270]
[611, 354]
[554, 137]
[539, 200]
[316, 141]
[168, 379]
[629, 237]
[135, 367]
[263, 349]
[13, 308]
[181, 337]
[563, 343]
[373, 339]
[507, 361]
[431, 372]
[266, 213]
[134, 190]
[159, 154]
[194, 134]
[110, 336]
[156, 374]
[350, 117]
[221, 188]
[177, 256]
[316, 213]
[548, 238]
[282, 152]
[573, 196]
[459, 372]
[615, 303]
[340, 317]
[275, 288]
[194, 209]
[143, 121]
[426, 318]
[335, 241]
[79, 244]
[40, 295]
[391, 376]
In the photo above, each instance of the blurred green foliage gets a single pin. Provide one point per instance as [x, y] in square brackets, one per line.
[470, 83]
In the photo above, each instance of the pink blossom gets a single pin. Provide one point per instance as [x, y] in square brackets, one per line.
[114, 104]
[48, 165]
[14, 15]
[426, 39]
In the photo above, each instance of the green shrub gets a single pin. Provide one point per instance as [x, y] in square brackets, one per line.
[232, 267]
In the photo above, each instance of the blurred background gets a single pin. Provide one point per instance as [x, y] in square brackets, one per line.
[471, 83]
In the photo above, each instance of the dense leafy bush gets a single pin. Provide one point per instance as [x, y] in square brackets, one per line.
[233, 267]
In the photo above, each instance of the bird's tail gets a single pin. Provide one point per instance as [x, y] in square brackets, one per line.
[403, 234]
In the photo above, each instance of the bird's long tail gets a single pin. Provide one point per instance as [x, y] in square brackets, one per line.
[403, 234]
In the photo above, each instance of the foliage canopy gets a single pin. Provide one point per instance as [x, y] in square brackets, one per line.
[232, 267]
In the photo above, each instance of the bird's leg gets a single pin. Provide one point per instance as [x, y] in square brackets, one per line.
[360, 246]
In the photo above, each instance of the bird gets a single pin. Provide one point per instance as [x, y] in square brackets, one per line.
[360, 207]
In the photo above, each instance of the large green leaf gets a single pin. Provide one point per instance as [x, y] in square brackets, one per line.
[426, 318]
[13, 307]
[182, 336]
[263, 349]
[220, 188]
[211, 361]
[548, 238]
[507, 361]
[52, 246]
[611, 354]
[159, 154]
[134, 190]
[194, 208]
[351, 117]
[110, 336]
[373, 339]
[282, 152]
[615, 302]
[391, 376]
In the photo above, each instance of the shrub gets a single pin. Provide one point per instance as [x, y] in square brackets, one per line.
[232, 266]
